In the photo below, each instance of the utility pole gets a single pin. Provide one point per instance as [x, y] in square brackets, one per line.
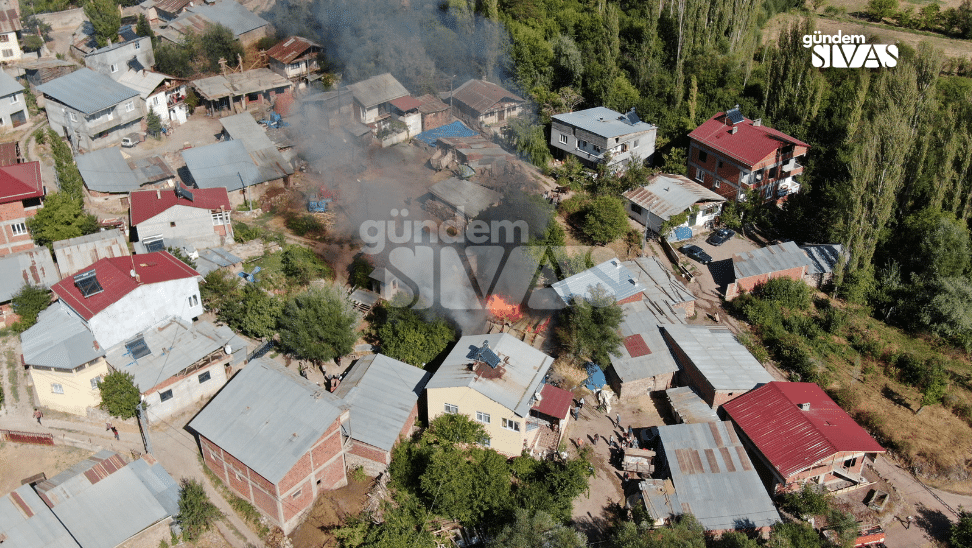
[451, 78]
[143, 424]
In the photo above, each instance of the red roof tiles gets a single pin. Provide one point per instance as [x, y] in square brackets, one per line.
[790, 438]
[20, 182]
[554, 402]
[749, 144]
[114, 276]
[149, 203]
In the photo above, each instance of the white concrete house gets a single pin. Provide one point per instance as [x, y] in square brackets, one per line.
[10, 31]
[13, 106]
[596, 133]
[668, 195]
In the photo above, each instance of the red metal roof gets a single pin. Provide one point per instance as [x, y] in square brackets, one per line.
[149, 203]
[636, 346]
[20, 182]
[750, 143]
[9, 153]
[406, 103]
[290, 49]
[554, 402]
[114, 276]
[790, 438]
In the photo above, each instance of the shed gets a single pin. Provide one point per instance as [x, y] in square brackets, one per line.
[151, 170]
[226, 164]
[76, 254]
[612, 275]
[107, 171]
[465, 198]
[266, 156]
[59, 340]
[377, 90]
[752, 268]
[643, 362]
[824, 259]
[668, 195]
[32, 267]
[688, 407]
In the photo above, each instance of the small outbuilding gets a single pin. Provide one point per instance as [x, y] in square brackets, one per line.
[752, 268]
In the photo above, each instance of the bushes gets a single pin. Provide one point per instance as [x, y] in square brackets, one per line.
[304, 224]
[787, 293]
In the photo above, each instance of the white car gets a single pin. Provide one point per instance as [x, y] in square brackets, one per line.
[131, 140]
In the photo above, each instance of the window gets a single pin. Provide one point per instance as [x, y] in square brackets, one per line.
[636, 209]
[703, 156]
[165, 396]
[850, 463]
[203, 377]
[511, 425]
[193, 300]
[563, 139]
[715, 183]
[295, 66]
[172, 224]
[482, 417]
[486, 442]
[130, 106]
[155, 100]
[4, 37]
[218, 219]
[95, 381]
[624, 147]
[719, 162]
[451, 409]
[581, 144]
[114, 68]
[73, 117]
[597, 148]
[56, 388]
[296, 493]
[8, 53]
[14, 99]
[635, 143]
[18, 229]
[699, 175]
[138, 45]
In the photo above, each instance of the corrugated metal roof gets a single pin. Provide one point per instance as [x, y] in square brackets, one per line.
[406, 103]
[603, 121]
[226, 164]
[8, 84]
[265, 154]
[643, 319]
[267, 417]
[480, 95]
[721, 359]
[689, 408]
[215, 258]
[463, 195]
[749, 144]
[823, 257]
[714, 478]
[430, 103]
[9, 153]
[662, 288]
[10, 16]
[612, 275]
[380, 393]
[106, 170]
[554, 401]
[26, 522]
[20, 182]
[228, 13]
[86, 91]
[668, 195]
[142, 81]
[59, 339]
[76, 254]
[173, 345]
[792, 439]
[235, 84]
[291, 48]
[152, 169]
[32, 267]
[765, 260]
[521, 375]
[377, 90]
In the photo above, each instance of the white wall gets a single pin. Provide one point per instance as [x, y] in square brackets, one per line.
[156, 103]
[10, 49]
[144, 307]
[186, 391]
[191, 223]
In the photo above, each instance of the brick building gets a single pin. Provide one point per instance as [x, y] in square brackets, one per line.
[732, 155]
[21, 196]
[756, 267]
[799, 435]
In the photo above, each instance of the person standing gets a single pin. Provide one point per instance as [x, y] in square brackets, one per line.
[115, 432]
[611, 441]
[581, 404]
[618, 421]
[38, 415]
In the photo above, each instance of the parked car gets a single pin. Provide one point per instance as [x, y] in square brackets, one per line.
[695, 252]
[131, 140]
[720, 236]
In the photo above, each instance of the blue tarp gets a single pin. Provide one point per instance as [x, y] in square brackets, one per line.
[455, 129]
[595, 377]
[680, 233]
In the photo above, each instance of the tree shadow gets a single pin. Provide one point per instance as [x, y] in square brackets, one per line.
[934, 522]
[895, 397]
[598, 528]
[722, 274]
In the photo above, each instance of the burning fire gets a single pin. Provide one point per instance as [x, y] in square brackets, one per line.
[503, 310]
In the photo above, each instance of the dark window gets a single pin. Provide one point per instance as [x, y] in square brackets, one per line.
[165, 396]
[850, 463]
[172, 224]
[203, 377]
[720, 163]
[636, 209]
[703, 156]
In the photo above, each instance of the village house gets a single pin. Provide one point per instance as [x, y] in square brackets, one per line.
[245, 26]
[732, 155]
[91, 110]
[32, 267]
[266, 155]
[800, 436]
[121, 297]
[824, 259]
[13, 106]
[497, 380]
[480, 103]
[666, 196]
[21, 196]
[714, 362]
[599, 134]
[10, 31]
[611, 276]
[234, 91]
[372, 97]
[756, 267]
[164, 10]
[64, 361]
[39, 71]
[708, 474]
[434, 112]
[176, 364]
[198, 218]
[76, 254]
[163, 95]
[295, 58]
[462, 199]
[26, 521]
[278, 453]
[228, 165]
[108, 176]
[115, 60]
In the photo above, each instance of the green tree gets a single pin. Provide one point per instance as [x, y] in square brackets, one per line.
[32, 43]
[143, 28]
[119, 395]
[318, 325]
[409, 336]
[252, 311]
[470, 485]
[218, 42]
[302, 265]
[686, 532]
[178, 253]
[105, 17]
[457, 429]
[948, 312]
[153, 123]
[796, 535]
[174, 59]
[527, 137]
[530, 529]
[589, 327]
[28, 303]
[218, 287]
[605, 220]
[196, 512]
[881, 9]
[961, 536]
[676, 161]
[62, 217]
[736, 539]
[359, 272]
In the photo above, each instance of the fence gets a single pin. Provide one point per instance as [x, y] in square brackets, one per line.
[260, 350]
[32, 438]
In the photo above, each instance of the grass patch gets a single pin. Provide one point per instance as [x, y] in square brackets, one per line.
[242, 507]
[13, 375]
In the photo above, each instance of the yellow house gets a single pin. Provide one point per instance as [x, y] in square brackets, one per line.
[65, 361]
[497, 381]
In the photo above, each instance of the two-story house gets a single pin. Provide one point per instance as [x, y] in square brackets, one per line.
[90, 109]
[600, 134]
[733, 155]
[116, 59]
[10, 31]
[165, 218]
[372, 98]
[481, 103]
[13, 107]
[295, 58]
[21, 196]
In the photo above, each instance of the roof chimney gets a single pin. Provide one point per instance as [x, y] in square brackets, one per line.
[733, 130]
[158, 194]
[758, 122]
[804, 407]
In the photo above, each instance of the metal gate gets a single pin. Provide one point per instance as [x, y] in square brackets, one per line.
[33, 438]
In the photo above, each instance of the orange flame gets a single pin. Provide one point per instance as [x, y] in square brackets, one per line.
[502, 310]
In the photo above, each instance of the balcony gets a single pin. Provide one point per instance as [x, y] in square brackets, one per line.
[790, 166]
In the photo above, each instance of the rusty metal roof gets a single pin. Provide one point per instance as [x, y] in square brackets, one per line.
[480, 95]
[34, 267]
[668, 195]
[9, 17]
[291, 48]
